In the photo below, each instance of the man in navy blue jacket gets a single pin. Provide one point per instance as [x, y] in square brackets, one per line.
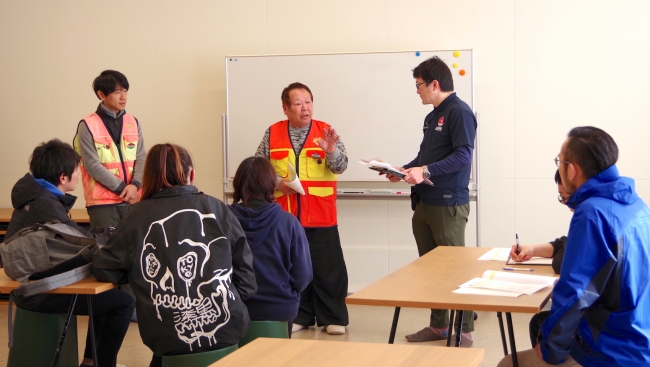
[599, 315]
[444, 159]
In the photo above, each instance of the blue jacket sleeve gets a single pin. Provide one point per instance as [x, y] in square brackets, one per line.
[587, 265]
[300, 273]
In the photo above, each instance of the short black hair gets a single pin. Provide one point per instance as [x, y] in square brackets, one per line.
[285, 92]
[108, 81]
[255, 179]
[435, 69]
[592, 149]
[51, 159]
[558, 179]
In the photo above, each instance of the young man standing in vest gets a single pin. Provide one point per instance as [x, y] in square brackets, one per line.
[112, 152]
[316, 152]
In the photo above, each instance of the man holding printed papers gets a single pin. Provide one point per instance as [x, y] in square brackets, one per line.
[599, 315]
[445, 157]
[318, 155]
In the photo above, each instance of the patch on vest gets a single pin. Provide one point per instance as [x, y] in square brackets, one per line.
[130, 145]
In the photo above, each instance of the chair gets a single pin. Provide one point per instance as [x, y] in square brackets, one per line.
[266, 329]
[36, 336]
[203, 359]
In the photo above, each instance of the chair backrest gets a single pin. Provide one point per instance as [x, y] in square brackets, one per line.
[266, 329]
[203, 359]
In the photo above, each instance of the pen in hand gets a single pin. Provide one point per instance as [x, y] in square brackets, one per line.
[517, 242]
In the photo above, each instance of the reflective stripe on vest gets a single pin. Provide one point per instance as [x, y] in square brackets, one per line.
[109, 157]
[317, 208]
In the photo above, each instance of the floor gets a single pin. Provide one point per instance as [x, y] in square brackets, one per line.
[367, 324]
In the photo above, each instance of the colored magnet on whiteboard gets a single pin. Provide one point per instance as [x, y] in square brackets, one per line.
[455, 65]
[456, 53]
[417, 53]
[461, 72]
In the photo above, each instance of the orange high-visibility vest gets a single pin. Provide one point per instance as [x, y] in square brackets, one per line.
[317, 208]
[119, 162]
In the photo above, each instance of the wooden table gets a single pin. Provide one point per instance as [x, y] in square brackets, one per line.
[78, 215]
[321, 353]
[428, 282]
[88, 286]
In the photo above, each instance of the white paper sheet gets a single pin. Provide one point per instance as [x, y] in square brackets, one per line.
[293, 181]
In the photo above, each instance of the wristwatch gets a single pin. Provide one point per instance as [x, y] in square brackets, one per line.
[425, 172]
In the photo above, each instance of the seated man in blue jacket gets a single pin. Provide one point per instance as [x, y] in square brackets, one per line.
[601, 301]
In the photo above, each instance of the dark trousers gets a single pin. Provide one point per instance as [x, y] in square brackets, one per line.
[156, 361]
[112, 314]
[535, 327]
[435, 226]
[324, 297]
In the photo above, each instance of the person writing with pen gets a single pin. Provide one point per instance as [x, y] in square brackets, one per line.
[553, 249]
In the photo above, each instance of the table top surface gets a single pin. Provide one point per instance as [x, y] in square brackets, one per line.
[89, 285]
[320, 353]
[428, 282]
[78, 215]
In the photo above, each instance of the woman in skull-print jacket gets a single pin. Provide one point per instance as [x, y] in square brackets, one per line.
[187, 259]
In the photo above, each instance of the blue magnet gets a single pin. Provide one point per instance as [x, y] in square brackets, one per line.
[417, 53]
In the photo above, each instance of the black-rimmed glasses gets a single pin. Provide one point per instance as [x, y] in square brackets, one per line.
[417, 85]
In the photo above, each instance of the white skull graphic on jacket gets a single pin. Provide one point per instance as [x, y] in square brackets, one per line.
[175, 261]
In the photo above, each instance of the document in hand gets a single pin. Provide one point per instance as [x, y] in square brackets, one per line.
[498, 283]
[377, 164]
[293, 181]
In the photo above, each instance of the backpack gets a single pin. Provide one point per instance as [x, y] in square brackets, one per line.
[45, 257]
[50, 255]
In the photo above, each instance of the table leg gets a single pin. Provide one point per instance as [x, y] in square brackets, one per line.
[503, 334]
[91, 329]
[511, 331]
[459, 327]
[393, 328]
[451, 327]
[64, 331]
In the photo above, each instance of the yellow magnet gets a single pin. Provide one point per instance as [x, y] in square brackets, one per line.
[454, 65]
[456, 53]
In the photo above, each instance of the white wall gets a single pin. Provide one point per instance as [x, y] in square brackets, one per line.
[542, 67]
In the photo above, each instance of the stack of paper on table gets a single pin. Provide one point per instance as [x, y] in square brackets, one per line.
[503, 254]
[507, 284]
[293, 181]
[535, 260]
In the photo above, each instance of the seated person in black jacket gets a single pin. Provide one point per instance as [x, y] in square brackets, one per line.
[554, 249]
[187, 260]
[42, 196]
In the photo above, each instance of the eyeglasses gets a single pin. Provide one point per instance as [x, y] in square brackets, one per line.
[557, 161]
[417, 85]
[562, 199]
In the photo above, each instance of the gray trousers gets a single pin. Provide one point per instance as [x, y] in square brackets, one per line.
[103, 216]
[435, 226]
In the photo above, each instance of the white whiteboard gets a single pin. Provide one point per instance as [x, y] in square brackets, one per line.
[369, 98]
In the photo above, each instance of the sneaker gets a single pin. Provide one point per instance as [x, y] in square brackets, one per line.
[335, 329]
[297, 327]
[465, 340]
[428, 334]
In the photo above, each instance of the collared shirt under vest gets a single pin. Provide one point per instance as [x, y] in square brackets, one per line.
[118, 161]
[317, 208]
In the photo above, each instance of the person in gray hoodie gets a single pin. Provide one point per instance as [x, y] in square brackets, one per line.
[280, 249]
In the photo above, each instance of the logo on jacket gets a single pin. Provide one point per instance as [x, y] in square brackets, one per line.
[186, 287]
[129, 125]
[130, 145]
[441, 121]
